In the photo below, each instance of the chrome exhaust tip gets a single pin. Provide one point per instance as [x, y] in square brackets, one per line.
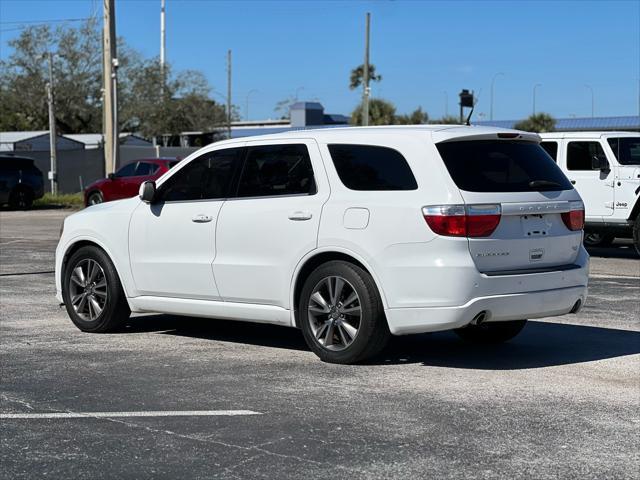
[576, 307]
[479, 318]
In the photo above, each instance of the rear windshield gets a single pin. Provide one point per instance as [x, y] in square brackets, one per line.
[626, 149]
[501, 166]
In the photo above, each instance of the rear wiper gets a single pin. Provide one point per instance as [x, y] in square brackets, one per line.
[543, 183]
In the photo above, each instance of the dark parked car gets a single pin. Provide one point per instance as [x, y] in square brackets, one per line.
[21, 182]
[126, 181]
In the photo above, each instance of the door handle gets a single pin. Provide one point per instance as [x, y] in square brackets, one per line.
[573, 182]
[300, 216]
[201, 218]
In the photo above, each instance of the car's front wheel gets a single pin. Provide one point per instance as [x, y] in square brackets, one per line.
[491, 332]
[636, 234]
[92, 293]
[341, 314]
[94, 198]
[21, 198]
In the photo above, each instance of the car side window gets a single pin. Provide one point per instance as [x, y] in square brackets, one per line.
[551, 148]
[205, 178]
[368, 167]
[272, 170]
[144, 168]
[580, 155]
[127, 171]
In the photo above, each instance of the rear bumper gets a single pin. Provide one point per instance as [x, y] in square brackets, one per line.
[515, 306]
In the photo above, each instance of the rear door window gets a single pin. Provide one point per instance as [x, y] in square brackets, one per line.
[368, 167]
[501, 166]
[626, 149]
[581, 154]
[144, 168]
[272, 170]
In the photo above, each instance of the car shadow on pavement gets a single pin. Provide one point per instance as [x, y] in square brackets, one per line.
[221, 330]
[623, 251]
[540, 344]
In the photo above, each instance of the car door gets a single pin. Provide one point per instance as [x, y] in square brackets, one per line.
[115, 188]
[594, 186]
[271, 223]
[172, 241]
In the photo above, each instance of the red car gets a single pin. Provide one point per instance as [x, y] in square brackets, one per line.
[126, 181]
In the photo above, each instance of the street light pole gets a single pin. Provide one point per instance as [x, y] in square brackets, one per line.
[492, 82]
[162, 45]
[229, 94]
[52, 130]
[365, 82]
[534, 96]
[592, 98]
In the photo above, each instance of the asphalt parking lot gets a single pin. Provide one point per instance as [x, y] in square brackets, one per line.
[559, 401]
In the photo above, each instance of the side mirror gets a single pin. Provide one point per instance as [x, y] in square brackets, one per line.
[147, 191]
[111, 176]
[600, 163]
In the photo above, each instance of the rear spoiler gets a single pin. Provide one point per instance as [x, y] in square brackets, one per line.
[468, 134]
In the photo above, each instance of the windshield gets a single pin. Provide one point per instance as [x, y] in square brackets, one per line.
[626, 149]
[501, 166]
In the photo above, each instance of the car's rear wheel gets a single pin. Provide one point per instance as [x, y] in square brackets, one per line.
[92, 292]
[21, 198]
[594, 239]
[94, 198]
[341, 314]
[636, 234]
[491, 332]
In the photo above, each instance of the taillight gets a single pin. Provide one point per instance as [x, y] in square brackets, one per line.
[574, 218]
[462, 221]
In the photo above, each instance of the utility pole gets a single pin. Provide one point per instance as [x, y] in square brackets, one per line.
[52, 130]
[229, 94]
[110, 82]
[492, 82]
[365, 81]
[162, 44]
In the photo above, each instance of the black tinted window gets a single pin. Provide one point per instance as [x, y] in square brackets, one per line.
[626, 150]
[581, 154]
[206, 177]
[127, 171]
[9, 163]
[145, 168]
[551, 148]
[366, 167]
[501, 166]
[277, 170]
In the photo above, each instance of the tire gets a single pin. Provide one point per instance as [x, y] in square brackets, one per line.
[332, 329]
[636, 234]
[598, 239]
[94, 198]
[21, 198]
[104, 307]
[491, 332]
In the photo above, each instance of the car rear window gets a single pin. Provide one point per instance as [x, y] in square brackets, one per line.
[501, 166]
[368, 167]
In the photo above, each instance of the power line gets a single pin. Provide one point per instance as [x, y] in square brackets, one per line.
[35, 22]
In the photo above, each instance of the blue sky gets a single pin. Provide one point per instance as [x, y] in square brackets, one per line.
[422, 49]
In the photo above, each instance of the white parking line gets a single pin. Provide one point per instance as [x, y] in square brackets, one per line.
[170, 413]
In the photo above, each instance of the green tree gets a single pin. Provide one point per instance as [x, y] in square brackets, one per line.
[417, 117]
[357, 76]
[539, 123]
[145, 105]
[381, 112]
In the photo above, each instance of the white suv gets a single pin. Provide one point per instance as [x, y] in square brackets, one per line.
[349, 234]
[605, 169]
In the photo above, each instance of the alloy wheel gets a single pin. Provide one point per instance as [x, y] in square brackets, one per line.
[88, 289]
[334, 313]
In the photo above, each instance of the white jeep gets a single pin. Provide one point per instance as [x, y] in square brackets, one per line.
[605, 169]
